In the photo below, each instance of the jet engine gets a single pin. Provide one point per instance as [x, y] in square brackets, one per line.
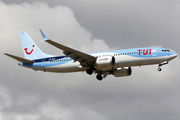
[107, 61]
[122, 72]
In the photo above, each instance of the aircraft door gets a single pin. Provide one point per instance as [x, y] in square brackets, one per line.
[43, 63]
[154, 51]
[154, 59]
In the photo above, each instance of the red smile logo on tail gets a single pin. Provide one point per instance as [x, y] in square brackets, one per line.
[28, 53]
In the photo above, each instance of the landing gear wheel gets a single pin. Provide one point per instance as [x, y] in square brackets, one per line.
[159, 69]
[89, 71]
[99, 77]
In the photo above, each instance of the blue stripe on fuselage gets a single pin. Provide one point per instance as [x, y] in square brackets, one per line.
[49, 58]
[51, 61]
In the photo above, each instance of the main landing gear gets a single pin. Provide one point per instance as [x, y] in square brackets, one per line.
[89, 71]
[99, 77]
[161, 64]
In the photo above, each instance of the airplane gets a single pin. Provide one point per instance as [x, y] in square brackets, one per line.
[117, 62]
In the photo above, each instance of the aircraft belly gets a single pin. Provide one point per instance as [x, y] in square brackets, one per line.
[132, 61]
[156, 60]
[127, 61]
[69, 67]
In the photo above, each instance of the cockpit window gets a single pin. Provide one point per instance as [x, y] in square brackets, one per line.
[166, 50]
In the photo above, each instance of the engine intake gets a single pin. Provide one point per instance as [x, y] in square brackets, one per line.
[122, 72]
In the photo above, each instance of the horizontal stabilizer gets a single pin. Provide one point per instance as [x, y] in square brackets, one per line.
[19, 58]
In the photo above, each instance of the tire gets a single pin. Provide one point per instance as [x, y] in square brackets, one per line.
[99, 77]
[89, 71]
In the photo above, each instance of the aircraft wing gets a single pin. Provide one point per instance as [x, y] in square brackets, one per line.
[85, 60]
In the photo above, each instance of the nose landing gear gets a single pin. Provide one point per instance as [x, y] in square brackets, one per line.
[161, 64]
[159, 69]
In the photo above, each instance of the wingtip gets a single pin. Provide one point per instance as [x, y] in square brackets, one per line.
[5, 53]
[22, 32]
[43, 35]
[40, 30]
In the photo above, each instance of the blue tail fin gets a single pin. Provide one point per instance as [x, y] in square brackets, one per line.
[30, 49]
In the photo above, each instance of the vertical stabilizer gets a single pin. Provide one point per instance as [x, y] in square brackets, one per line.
[30, 49]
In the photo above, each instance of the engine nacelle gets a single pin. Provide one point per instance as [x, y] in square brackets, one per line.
[107, 61]
[122, 72]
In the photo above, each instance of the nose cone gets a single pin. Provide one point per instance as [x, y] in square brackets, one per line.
[173, 56]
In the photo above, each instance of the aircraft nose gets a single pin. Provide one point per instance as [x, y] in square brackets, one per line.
[174, 56]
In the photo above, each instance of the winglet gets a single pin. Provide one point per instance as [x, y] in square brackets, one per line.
[43, 35]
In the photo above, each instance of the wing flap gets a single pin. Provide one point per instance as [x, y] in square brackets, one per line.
[19, 58]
